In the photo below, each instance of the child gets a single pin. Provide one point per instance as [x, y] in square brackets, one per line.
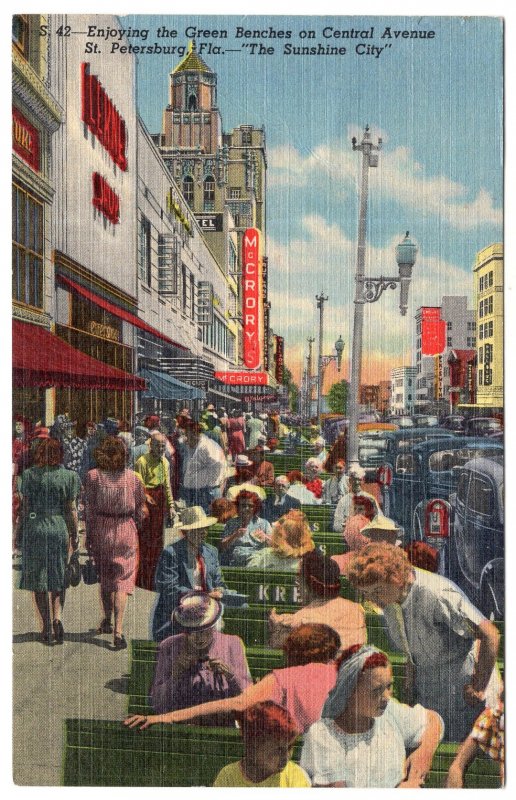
[269, 734]
[488, 735]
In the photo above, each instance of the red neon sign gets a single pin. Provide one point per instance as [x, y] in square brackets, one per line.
[25, 140]
[243, 378]
[251, 279]
[105, 199]
[102, 118]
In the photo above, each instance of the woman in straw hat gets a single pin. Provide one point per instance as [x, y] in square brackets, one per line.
[199, 663]
[186, 565]
[291, 539]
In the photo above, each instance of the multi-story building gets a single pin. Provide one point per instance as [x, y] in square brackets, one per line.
[221, 175]
[403, 390]
[439, 330]
[36, 116]
[488, 277]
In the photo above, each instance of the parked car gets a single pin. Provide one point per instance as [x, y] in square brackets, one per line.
[429, 470]
[425, 420]
[483, 426]
[455, 423]
[476, 546]
[401, 421]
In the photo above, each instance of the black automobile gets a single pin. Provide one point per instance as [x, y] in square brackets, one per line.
[455, 423]
[483, 426]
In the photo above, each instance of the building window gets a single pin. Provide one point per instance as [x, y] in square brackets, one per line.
[27, 224]
[144, 251]
[209, 193]
[192, 296]
[20, 34]
[188, 189]
[235, 193]
[184, 287]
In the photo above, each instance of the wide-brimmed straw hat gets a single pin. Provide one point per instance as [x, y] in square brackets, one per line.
[197, 611]
[194, 518]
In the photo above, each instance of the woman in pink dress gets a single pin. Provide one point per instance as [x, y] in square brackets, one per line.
[301, 687]
[235, 428]
[115, 506]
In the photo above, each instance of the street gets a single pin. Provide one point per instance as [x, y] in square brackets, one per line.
[84, 677]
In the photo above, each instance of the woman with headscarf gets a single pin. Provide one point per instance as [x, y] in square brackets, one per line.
[48, 530]
[115, 508]
[450, 645]
[291, 539]
[363, 736]
[319, 589]
[310, 653]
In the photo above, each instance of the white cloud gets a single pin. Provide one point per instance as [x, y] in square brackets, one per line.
[401, 178]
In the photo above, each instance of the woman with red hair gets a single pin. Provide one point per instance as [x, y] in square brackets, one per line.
[363, 735]
[48, 529]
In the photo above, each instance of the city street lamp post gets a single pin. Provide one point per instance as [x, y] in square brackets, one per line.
[369, 290]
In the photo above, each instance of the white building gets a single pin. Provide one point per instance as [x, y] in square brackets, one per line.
[403, 390]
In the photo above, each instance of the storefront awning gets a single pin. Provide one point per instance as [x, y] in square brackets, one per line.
[162, 386]
[41, 359]
[111, 308]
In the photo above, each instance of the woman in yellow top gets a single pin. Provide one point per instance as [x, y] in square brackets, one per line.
[154, 471]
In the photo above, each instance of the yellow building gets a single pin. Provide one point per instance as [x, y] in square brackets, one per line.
[488, 272]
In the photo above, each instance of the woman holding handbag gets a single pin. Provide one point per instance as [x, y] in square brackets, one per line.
[115, 507]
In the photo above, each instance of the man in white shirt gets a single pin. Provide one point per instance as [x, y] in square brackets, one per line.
[204, 468]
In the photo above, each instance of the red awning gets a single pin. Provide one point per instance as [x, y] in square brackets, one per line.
[42, 359]
[115, 310]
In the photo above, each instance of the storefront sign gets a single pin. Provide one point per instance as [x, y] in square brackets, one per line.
[102, 118]
[251, 286]
[433, 332]
[209, 223]
[279, 358]
[243, 378]
[173, 207]
[25, 140]
[104, 331]
[105, 199]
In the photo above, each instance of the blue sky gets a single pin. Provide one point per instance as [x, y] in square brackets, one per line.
[437, 103]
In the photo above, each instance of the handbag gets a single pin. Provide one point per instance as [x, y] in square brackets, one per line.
[89, 572]
[73, 570]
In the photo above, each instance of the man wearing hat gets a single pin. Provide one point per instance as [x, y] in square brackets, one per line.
[199, 663]
[186, 565]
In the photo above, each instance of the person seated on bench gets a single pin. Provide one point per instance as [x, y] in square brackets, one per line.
[319, 582]
[363, 735]
[291, 539]
[310, 653]
[451, 646]
[244, 533]
[187, 564]
[269, 734]
[200, 663]
[363, 511]
[277, 504]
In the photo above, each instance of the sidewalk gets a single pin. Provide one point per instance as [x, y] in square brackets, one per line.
[84, 677]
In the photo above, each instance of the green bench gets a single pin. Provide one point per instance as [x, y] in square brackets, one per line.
[271, 587]
[106, 753]
[261, 661]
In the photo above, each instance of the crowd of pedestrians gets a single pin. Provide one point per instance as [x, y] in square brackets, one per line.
[122, 486]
